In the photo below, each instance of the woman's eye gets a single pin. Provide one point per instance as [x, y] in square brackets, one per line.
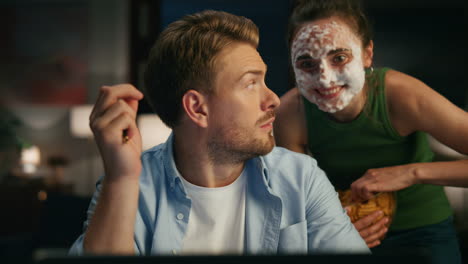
[306, 65]
[340, 59]
[251, 85]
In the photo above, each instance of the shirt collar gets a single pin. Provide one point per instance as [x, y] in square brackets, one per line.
[174, 175]
[260, 165]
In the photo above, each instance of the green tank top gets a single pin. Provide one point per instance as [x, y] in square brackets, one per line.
[345, 151]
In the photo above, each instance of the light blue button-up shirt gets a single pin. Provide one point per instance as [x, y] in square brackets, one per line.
[291, 207]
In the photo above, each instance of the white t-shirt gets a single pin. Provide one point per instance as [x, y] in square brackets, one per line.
[217, 219]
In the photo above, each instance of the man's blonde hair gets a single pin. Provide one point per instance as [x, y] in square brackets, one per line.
[183, 58]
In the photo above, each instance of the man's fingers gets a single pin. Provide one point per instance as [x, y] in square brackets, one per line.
[93, 114]
[114, 130]
[132, 103]
[381, 224]
[374, 232]
[111, 113]
[373, 244]
[123, 90]
[111, 94]
[348, 209]
[368, 220]
[375, 238]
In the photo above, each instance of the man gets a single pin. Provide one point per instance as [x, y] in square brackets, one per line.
[218, 185]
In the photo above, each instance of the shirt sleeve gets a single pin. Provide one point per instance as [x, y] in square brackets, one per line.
[77, 248]
[329, 228]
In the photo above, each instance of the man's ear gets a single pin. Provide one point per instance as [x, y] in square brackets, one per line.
[195, 107]
[368, 55]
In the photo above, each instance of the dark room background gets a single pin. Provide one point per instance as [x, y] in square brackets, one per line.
[55, 54]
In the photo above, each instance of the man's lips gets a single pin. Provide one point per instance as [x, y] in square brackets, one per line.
[269, 123]
[267, 119]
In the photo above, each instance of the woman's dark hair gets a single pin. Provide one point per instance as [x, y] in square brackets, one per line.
[310, 10]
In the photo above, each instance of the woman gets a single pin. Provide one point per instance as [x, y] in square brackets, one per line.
[367, 128]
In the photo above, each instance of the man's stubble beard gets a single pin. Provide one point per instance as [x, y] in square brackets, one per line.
[233, 146]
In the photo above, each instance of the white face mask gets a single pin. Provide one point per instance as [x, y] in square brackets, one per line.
[327, 62]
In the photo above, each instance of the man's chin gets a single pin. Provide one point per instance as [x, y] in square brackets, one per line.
[260, 148]
[268, 146]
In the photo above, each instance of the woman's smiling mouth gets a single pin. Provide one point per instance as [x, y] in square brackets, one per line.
[329, 93]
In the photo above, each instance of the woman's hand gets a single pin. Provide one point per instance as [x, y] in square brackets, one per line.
[383, 180]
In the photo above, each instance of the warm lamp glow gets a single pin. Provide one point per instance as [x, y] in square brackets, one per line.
[153, 130]
[39, 117]
[30, 159]
[79, 121]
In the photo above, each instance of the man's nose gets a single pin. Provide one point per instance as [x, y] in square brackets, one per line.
[270, 101]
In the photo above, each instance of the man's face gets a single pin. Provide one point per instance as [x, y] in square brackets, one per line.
[241, 110]
[328, 63]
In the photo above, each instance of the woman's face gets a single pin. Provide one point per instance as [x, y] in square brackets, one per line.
[327, 58]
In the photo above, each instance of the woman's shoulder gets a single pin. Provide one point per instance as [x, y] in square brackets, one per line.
[291, 106]
[290, 98]
[405, 94]
[396, 81]
[290, 125]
